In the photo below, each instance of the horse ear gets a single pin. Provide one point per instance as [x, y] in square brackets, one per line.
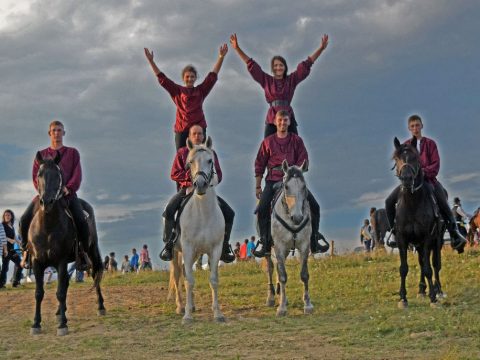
[209, 142]
[58, 157]
[39, 158]
[304, 166]
[396, 142]
[285, 166]
[189, 144]
[413, 142]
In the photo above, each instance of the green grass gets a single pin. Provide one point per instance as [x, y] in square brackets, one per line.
[356, 316]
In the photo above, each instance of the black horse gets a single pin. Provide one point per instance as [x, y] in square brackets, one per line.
[380, 226]
[52, 242]
[417, 222]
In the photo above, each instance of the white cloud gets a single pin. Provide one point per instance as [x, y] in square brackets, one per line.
[372, 198]
[463, 177]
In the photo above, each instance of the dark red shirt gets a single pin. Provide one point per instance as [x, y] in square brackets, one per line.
[274, 150]
[189, 101]
[429, 158]
[182, 176]
[69, 165]
[279, 89]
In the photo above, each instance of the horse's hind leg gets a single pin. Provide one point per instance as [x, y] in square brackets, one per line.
[403, 303]
[428, 273]
[271, 290]
[189, 285]
[62, 289]
[422, 286]
[282, 277]
[437, 266]
[39, 293]
[217, 314]
[304, 275]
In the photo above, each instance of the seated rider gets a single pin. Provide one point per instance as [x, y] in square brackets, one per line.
[461, 217]
[283, 145]
[430, 161]
[72, 177]
[181, 175]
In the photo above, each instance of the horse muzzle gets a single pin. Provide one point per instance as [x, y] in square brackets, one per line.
[200, 186]
[46, 204]
[297, 219]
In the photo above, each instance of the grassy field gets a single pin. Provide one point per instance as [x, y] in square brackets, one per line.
[356, 316]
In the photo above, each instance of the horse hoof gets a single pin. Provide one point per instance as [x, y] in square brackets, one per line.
[402, 304]
[281, 313]
[101, 312]
[441, 296]
[435, 305]
[187, 321]
[421, 295]
[307, 310]
[62, 331]
[35, 331]
[270, 303]
[180, 311]
[220, 319]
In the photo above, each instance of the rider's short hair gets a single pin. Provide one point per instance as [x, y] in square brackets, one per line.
[189, 68]
[282, 113]
[414, 117]
[55, 123]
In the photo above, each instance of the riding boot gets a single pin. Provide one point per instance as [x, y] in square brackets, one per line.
[227, 252]
[315, 246]
[264, 240]
[457, 241]
[169, 239]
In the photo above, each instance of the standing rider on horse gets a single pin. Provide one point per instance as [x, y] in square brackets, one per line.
[181, 175]
[283, 145]
[430, 161]
[72, 177]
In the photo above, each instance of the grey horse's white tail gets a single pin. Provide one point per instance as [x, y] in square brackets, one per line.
[176, 262]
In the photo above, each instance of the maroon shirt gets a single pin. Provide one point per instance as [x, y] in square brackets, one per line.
[182, 176]
[69, 165]
[274, 150]
[429, 158]
[282, 89]
[189, 101]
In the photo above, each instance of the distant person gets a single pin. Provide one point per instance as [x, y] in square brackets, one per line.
[366, 235]
[250, 247]
[134, 260]
[236, 251]
[9, 253]
[125, 265]
[145, 262]
[112, 264]
[280, 86]
[243, 250]
[188, 98]
[461, 217]
[3, 243]
[106, 262]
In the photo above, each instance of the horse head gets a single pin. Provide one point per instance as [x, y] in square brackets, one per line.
[295, 190]
[407, 164]
[49, 180]
[200, 161]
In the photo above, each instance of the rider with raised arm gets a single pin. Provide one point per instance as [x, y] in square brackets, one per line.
[279, 88]
[72, 177]
[181, 175]
[283, 145]
[189, 98]
[430, 161]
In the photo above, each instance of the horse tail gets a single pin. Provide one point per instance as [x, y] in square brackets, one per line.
[175, 263]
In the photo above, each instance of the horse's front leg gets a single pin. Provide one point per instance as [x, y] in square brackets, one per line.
[282, 278]
[437, 266]
[403, 303]
[304, 276]
[62, 288]
[177, 269]
[188, 260]
[38, 270]
[429, 273]
[422, 286]
[271, 290]
[214, 259]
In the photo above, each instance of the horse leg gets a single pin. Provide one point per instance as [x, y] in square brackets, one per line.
[214, 259]
[62, 288]
[271, 290]
[39, 293]
[422, 286]
[188, 259]
[282, 278]
[304, 275]
[403, 303]
[437, 266]
[429, 273]
[177, 270]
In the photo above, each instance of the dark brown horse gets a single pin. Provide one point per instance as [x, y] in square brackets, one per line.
[474, 225]
[52, 242]
[380, 226]
[416, 222]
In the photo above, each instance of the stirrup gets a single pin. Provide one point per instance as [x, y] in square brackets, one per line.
[166, 254]
[227, 255]
[263, 252]
[318, 248]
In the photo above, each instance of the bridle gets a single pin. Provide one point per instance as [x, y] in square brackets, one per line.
[59, 192]
[207, 177]
[415, 170]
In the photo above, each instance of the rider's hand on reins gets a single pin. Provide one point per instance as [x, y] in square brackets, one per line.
[258, 192]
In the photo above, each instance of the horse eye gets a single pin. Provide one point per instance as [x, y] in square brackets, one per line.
[209, 161]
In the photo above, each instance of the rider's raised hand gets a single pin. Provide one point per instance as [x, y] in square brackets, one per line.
[234, 41]
[148, 54]
[324, 42]
[223, 50]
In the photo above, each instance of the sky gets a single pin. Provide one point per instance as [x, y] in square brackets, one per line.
[83, 63]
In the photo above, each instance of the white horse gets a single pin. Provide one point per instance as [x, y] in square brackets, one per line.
[291, 229]
[202, 228]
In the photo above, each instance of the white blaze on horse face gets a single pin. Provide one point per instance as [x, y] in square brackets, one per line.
[201, 168]
[295, 198]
